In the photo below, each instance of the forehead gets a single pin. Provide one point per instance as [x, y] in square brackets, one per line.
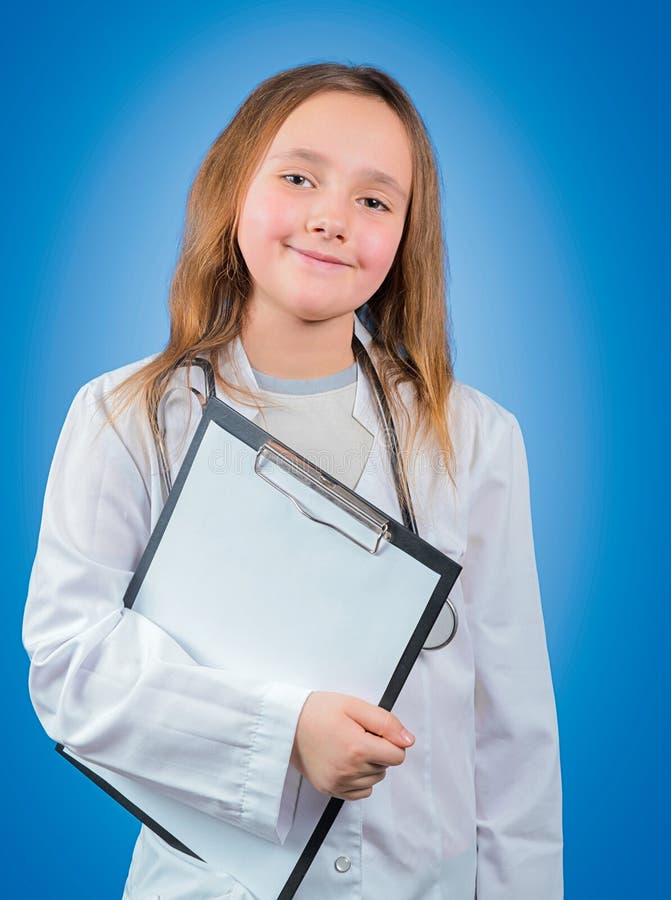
[349, 131]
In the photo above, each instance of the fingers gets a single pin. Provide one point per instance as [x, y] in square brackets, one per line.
[372, 768]
[366, 781]
[359, 788]
[355, 795]
[381, 722]
[366, 777]
[380, 752]
[360, 784]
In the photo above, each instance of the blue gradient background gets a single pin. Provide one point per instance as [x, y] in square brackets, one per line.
[554, 149]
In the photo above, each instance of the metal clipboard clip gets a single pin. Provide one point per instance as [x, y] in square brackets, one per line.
[310, 475]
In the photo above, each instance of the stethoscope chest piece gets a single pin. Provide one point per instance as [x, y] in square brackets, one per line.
[444, 628]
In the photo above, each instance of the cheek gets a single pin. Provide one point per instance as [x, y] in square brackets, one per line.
[266, 216]
[377, 249]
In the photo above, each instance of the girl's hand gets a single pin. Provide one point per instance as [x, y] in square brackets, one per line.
[343, 745]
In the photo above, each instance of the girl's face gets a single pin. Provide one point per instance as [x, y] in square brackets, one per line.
[324, 213]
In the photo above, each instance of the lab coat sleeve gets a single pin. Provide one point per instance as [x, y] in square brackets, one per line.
[517, 771]
[111, 685]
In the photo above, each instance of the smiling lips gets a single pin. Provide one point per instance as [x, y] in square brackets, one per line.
[321, 259]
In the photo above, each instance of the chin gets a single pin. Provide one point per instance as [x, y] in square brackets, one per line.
[315, 309]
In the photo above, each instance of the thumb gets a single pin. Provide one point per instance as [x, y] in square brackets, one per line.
[380, 721]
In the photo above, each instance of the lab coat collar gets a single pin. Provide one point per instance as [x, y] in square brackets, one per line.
[239, 370]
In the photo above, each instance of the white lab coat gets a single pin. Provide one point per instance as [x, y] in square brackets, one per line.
[476, 806]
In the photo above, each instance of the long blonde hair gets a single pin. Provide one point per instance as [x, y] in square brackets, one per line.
[211, 281]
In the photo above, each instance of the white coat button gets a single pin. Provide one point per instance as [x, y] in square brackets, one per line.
[343, 864]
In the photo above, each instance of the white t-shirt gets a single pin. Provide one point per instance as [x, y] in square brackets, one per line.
[314, 417]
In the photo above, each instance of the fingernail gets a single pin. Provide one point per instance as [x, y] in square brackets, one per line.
[406, 736]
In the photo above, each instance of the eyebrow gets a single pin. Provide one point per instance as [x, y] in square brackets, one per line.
[314, 157]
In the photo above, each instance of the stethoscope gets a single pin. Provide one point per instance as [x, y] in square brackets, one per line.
[445, 626]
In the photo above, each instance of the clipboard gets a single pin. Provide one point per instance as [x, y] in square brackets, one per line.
[242, 495]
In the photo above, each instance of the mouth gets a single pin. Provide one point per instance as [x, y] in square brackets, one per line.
[320, 260]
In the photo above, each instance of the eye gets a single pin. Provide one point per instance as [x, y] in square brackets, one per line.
[301, 180]
[380, 205]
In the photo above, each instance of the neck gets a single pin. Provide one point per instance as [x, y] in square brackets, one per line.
[285, 346]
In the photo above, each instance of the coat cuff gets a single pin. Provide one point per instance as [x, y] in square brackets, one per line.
[271, 784]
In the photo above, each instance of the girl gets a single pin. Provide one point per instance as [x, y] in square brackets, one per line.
[314, 217]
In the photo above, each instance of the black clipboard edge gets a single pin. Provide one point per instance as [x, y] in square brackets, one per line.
[127, 804]
[168, 507]
[315, 841]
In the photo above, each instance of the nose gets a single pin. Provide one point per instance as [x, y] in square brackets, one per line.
[328, 217]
